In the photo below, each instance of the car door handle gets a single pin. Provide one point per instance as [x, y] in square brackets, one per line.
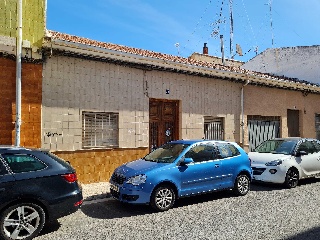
[216, 165]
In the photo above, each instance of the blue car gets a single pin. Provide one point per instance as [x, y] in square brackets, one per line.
[182, 168]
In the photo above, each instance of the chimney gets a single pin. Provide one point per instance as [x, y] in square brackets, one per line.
[205, 49]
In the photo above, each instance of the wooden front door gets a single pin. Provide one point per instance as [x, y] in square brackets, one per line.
[293, 123]
[163, 121]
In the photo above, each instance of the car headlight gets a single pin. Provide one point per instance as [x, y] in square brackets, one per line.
[274, 163]
[137, 180]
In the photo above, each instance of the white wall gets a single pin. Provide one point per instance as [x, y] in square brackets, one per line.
[295, 62]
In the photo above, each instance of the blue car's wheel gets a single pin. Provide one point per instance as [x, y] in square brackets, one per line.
[241, 185]
[162, 198]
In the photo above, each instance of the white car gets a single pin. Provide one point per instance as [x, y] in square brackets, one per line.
[286, 160]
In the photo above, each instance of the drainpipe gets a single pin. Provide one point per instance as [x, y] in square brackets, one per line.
[18, 72]
[242, 111]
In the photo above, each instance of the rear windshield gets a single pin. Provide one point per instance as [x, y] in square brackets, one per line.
[59, 160]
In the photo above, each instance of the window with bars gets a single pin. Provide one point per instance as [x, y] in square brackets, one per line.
[100, 129]
[213, 128]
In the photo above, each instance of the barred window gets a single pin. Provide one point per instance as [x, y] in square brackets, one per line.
[100, 129]
[213, 128]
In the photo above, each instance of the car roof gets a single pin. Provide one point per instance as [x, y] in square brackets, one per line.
[192, 141]
[293, 139]
[19, 148]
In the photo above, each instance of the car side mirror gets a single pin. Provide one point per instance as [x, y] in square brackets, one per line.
[187, 161]
[301, 153]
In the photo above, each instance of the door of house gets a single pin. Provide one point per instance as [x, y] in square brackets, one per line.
[293, 123]
[163, 121]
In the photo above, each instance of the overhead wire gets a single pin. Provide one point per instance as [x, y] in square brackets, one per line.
[196, 27]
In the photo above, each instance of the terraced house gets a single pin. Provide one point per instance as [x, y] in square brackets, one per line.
[100, 104]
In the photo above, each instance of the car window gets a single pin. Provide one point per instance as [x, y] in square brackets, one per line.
[316, 145]
[202, 153]
[227, 150]
[23, 163]
[3, 169]
[307, 146]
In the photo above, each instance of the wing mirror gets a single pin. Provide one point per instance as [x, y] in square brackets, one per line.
[187, 161]
[301, 153]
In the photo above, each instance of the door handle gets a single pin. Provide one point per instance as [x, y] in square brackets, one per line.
[216, 165]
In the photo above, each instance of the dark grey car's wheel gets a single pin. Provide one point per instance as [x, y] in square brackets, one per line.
[163, 198]
[292, 178]
[21, 221]
[241, 185]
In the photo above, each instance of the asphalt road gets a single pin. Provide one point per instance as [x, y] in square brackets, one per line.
[266, 212]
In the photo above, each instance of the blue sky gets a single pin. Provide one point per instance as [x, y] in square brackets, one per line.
[158, 25]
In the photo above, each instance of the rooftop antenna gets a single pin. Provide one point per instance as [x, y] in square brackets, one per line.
[270, 8]
[177, 45]
[231, 28]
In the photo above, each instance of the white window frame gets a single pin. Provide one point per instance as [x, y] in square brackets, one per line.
[100, 129]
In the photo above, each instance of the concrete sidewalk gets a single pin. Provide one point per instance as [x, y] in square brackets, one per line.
[95, 191]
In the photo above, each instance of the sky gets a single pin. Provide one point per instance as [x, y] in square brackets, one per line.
[181, 27]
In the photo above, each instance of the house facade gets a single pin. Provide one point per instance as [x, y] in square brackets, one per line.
[99, 104]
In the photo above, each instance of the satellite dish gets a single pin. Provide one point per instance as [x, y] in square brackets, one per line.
[239, 50]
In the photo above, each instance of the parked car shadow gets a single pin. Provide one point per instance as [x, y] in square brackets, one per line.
[112, 208]
[262, 186]
[311, 234]
[50, 227]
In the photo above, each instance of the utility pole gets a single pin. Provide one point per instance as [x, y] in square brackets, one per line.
[18, 72]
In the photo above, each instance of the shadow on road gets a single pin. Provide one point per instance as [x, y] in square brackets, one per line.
[261, 186]
[111, 208]
[311, 234]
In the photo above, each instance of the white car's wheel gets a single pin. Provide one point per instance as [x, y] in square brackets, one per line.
[22, 221]
[292, 178]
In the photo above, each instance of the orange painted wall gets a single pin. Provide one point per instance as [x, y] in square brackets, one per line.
[97, 165]
[31, 99]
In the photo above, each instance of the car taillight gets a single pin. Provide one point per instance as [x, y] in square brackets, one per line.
[78, 203]
[71, 177]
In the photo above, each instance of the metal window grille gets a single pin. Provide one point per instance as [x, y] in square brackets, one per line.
[100, 129]
[213, 128]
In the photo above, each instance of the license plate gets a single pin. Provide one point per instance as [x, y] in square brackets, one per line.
[114, 188]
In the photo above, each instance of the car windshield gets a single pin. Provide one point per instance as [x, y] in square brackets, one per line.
[167, 153]
[280, 146]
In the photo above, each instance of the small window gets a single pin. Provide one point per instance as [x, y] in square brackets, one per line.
[100, 129]
[202, 153]
[23, 163]
[308, 147]
[227, 150]
[317, 145]
[213, 128]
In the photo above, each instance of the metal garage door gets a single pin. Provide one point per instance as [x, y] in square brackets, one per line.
[260, 130]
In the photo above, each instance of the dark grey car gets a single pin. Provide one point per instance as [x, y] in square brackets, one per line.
[35, 187]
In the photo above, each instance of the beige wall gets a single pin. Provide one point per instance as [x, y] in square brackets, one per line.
[72, 85]
[275, 102]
